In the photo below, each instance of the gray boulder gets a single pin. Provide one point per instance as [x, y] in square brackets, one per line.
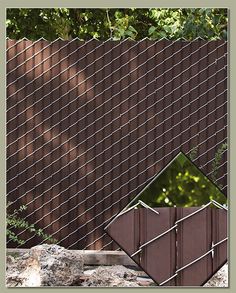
[111, 276]
[220, 279]
[45, 265]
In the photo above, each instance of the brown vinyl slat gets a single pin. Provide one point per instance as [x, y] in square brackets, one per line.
[55, 142]
[128, 235]
[194, 239]
[99, 190]
[161, 251]
[219, 219]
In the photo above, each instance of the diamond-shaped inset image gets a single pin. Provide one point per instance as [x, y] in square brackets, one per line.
[176, 228]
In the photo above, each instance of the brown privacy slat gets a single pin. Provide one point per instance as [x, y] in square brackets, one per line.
[103, 119]
[194, 239]
[219, 218]
[126, 229]
[162, 251]
[174, 246]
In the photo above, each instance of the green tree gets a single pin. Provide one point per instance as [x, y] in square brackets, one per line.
[136, 23]
[181, 184]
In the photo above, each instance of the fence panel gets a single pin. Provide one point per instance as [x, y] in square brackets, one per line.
[90, 123]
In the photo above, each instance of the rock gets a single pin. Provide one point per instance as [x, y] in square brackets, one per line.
[53, 265]
[111, 276]
[9, 261]
[220, 279]
[145, 282]
[45, 265]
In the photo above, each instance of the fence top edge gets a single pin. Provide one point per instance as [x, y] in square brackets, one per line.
[121, 40]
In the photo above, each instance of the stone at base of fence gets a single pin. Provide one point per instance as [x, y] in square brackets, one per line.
[106, 272]
[91, 257]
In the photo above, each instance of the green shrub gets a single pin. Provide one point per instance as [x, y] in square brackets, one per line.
[14, 221]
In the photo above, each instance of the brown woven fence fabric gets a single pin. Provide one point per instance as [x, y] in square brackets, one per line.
[90, 123]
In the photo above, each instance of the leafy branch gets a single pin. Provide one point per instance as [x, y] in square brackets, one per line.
[217, 161]
[14, 221]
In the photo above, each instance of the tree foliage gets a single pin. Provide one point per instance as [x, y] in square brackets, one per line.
[155, 23]
[181, 184]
